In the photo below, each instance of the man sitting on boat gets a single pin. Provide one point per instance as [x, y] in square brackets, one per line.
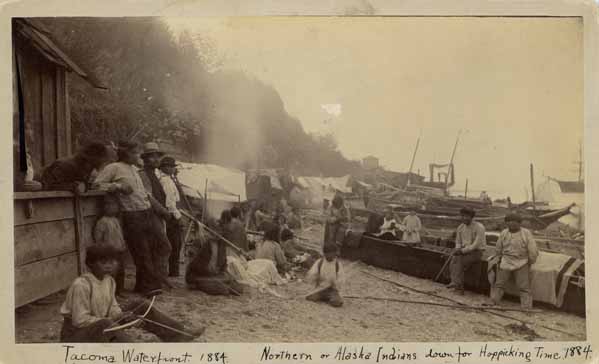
[469, 244]
[390, 228]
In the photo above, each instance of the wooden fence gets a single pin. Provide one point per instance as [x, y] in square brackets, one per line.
[51, 230]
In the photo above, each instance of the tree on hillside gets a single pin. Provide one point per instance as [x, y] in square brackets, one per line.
[166, 86]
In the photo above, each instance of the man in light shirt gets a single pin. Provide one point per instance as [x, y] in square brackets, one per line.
[517, 251]
[167, 170]
[469, 244]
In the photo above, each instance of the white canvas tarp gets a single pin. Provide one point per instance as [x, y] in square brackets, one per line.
[224, 184]
[320, 188]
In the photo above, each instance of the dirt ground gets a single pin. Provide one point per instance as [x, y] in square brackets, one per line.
[263, 317]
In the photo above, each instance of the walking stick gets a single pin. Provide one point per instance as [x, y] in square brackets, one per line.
[230, 244]
[444, 266]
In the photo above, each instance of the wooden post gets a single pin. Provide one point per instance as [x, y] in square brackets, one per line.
[466, 190]
[532, 187]
[205, 210]
[79, 234]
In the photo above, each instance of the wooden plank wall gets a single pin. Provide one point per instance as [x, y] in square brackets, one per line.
[45, 107]
[51, 234]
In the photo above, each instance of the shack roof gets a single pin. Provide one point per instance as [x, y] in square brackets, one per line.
[41, 38]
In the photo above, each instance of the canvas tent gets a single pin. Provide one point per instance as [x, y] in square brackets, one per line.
[225, 186]
[313, 190]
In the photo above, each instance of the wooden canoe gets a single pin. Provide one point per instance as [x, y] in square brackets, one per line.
[427, 259]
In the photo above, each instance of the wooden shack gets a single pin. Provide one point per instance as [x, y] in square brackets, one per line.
[51, 228]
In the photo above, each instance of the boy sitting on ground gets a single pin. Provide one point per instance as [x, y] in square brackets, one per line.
[91, 307]
[327, 274]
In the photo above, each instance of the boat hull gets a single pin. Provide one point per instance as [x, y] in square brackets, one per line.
[427, 259]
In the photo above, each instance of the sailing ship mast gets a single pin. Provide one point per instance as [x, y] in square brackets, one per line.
[450, 168]
[580, 162]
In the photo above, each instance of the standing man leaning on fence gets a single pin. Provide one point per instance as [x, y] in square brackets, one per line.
[142, 228]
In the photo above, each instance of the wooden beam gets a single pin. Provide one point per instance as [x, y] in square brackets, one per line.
[43, 210]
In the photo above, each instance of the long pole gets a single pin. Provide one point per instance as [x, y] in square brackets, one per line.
[532, 187]
[230, 244]
[455, 147]
[413, 158]
[466, 190]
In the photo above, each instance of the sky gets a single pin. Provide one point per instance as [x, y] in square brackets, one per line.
[513, 86]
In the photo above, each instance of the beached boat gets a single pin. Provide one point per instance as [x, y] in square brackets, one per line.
[451, 219]
[426, 260]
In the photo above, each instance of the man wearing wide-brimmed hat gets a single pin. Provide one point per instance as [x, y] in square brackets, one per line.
[168, 168]
[151, 156]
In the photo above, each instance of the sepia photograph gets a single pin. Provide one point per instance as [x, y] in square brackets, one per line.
[298, 179]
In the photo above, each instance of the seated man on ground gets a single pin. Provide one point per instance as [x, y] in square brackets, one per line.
[91, 307]
[207, 271]
[270, 249]
[327, 275]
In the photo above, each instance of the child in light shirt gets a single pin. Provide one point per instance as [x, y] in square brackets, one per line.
[327, 273]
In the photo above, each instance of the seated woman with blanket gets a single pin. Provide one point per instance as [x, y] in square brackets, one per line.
[271, 250]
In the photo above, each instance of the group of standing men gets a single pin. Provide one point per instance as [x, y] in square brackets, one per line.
[141, 180]
[148, 200]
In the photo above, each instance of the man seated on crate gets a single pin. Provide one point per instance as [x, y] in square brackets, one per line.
[74, 173]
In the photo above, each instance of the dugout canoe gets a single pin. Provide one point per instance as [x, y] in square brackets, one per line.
[425, 260]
